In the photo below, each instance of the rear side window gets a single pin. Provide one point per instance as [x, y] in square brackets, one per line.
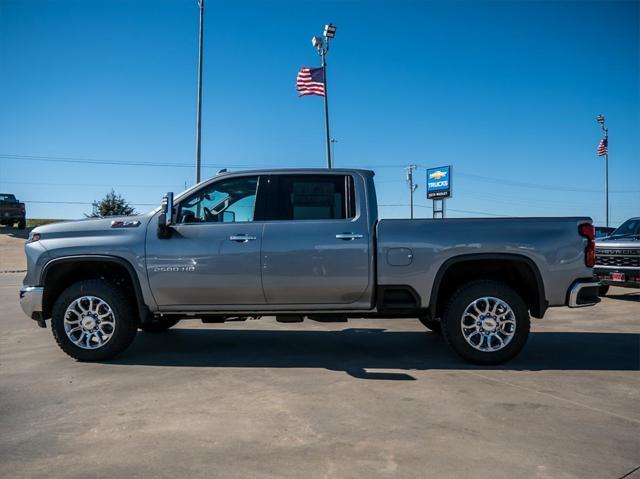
[313, 197]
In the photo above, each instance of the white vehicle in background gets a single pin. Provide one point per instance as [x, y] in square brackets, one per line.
[618, 257]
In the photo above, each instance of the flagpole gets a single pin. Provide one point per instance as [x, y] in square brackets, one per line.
[606, 178]
[199, 113]
[601, 121]
[326, 103]
[323, 48]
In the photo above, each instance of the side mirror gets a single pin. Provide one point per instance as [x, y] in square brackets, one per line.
[228, 217]
[166, 219]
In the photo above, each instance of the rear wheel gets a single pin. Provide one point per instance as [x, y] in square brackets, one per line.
[486, 322]
[603, 290]
[93, 320]
[159, 325]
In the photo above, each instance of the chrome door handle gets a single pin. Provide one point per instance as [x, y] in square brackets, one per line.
[349, 236]
[242, 238]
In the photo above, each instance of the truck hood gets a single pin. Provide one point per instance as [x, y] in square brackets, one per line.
[618, 243]
[88, 225]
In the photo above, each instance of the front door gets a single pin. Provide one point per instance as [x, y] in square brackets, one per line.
[213, 256]
[316, 248]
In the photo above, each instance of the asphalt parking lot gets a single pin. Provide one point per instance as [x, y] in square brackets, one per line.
[368, 398]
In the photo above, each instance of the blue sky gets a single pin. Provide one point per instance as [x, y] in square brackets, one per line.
[506, 92]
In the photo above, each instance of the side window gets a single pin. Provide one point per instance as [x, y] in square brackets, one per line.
[225, 201]
[314, 197]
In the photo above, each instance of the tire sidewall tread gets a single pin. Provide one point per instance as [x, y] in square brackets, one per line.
[456, 305]
[126, 321]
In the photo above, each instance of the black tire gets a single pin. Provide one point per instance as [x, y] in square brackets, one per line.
[431, 324]
[159, 325]
[22, 224]
[603, 290]
[124, 318]
[453, 314]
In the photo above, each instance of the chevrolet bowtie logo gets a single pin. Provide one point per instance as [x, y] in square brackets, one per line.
[436, 175]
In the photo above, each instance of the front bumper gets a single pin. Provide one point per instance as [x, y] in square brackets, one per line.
[583, 293]
[631, 276]
[31, 301]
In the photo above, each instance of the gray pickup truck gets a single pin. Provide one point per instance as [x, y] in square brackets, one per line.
[302, 243]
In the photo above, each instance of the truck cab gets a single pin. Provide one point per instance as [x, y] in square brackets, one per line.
[296, 240]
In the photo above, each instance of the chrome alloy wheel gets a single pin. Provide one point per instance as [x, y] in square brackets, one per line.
[488, 324]
[89, 322]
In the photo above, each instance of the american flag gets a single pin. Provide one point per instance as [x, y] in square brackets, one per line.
[603, 147]
[310, 81]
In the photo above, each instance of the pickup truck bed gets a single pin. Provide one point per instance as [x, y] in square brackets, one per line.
[549, 249]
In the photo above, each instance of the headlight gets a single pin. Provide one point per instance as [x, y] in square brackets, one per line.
[33, 237]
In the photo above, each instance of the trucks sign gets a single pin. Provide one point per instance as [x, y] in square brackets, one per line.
[439, 182]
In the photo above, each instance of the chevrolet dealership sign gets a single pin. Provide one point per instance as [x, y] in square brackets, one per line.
[439, 183]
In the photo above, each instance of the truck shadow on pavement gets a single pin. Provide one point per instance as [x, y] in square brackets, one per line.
[355, 351]
[633, 296]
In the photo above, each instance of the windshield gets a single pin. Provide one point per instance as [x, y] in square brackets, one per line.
[628, 228]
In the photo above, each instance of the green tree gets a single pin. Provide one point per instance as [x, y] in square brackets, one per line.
[111, 205]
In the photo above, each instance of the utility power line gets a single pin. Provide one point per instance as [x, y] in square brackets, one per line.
[110, 162]
[79, 203]
[106, 185]
[471, 176]
[396, 205]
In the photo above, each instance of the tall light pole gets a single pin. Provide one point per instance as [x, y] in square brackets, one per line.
[600, 119]
[329, 32]
[199, 114]
[412, 186]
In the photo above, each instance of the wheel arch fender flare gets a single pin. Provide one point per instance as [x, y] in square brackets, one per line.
[141, 306]
[538, 309]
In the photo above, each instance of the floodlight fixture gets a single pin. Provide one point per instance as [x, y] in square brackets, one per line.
[316, 42]
[329, 31]
[600, 119]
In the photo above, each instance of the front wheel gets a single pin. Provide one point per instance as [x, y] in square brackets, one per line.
[486, 322]
[93, 320]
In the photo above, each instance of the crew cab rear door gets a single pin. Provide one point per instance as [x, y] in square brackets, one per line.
[316, 243]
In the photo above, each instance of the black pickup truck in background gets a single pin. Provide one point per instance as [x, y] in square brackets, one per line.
[12, 211]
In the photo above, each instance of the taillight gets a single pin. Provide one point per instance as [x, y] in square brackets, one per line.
[587, 230]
